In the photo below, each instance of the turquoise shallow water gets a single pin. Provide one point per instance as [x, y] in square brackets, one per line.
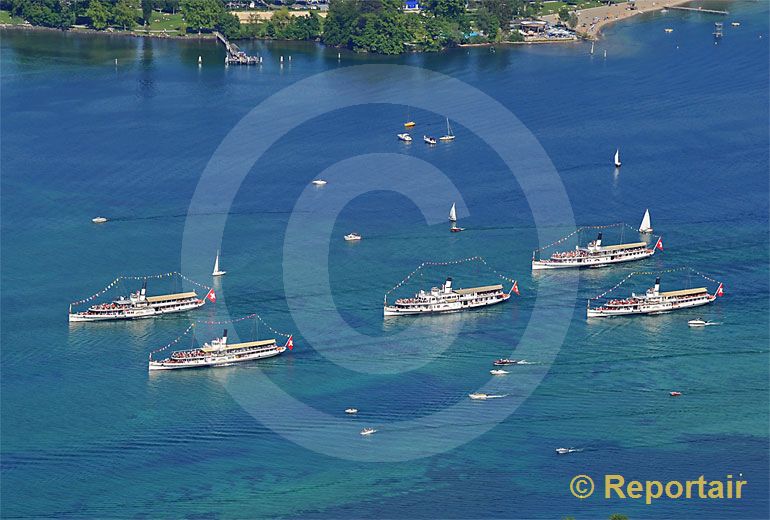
[86, 431]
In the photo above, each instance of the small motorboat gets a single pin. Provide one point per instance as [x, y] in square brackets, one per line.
[319, 182]
[480, 396]
[405, 137]
[99, 220]
[368, 431]
[735, 24]
[428, 139]
[699, 322]
[669, 30]
[498, 372]
[505, 361]
[352, 237]
[675, 394]
[351, 411]
[564, 451]
[409, 124]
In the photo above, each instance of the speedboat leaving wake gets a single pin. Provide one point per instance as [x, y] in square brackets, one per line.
[481, 396]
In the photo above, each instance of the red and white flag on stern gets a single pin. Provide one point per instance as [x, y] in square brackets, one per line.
[720, 290]
[515, 288]
[290, 343]
[659, 244]
[211, 296]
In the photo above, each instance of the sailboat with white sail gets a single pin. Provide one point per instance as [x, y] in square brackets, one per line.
[453, 220]
[449, 135]
[617, 158]
[646, 226]
[217, 271]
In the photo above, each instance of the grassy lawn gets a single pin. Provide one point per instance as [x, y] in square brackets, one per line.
[5, 17]
[161, 21]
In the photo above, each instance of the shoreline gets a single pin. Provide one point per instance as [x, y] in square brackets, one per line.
[124, 34]
[607, 15]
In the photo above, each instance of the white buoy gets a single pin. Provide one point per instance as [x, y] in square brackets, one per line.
[281, 59]
[290, 57]
[116, 62]
[339, 54]
[200, 60]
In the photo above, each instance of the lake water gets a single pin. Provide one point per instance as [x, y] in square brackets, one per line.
[87, 432]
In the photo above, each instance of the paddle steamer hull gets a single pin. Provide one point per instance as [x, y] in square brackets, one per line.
[457, 305]
[216, 361]
[134, 314]
[650, 308]
[589, 261]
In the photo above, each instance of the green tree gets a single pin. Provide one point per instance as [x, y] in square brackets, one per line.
[383, 31]
[228, 24]
[124, 15]
[281, 22]
[451, 9]
[99, 14]
[502, 9]
[487, 23]
[572, 21]
[618, 516]
[147, 11]
[201, 14]
[341, 21]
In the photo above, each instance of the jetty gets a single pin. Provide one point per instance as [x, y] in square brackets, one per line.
[235, 56]
[697, 9]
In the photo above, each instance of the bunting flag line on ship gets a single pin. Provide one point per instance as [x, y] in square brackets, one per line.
[119, 279]
[719, 290]
[479, 259]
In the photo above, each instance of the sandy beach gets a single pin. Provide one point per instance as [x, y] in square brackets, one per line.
[591, 21]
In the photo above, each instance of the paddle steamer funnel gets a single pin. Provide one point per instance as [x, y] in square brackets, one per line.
[143, 292]
[657, 285]
[224, 337]
[448, 285]
[599, 240]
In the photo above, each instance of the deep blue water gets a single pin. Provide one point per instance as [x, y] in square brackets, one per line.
[87, 432]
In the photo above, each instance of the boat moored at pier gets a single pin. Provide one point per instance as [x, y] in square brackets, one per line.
[597, 255]
[447, 299]
[218, 353]
[653, 301]
[138, 305]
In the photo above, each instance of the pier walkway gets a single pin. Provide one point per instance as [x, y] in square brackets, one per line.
[697, 9]
[235, 56]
